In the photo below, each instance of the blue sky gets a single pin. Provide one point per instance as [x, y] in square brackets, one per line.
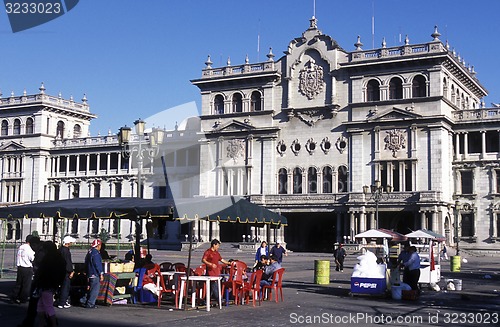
[134, 58]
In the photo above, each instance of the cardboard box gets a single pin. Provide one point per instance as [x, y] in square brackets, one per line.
[115, 267]
[128, 266]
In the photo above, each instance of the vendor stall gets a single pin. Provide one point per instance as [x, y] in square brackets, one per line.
[428, 244]
[373, 274]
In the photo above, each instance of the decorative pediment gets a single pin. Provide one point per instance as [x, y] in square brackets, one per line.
[234, 126]
[394, 114]
[11, 146]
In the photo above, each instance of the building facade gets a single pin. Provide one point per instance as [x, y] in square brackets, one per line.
[305, 134]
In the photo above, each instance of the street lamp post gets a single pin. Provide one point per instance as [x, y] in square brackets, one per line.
[377, 192]
[151, 150]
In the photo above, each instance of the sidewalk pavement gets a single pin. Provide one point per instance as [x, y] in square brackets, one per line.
[305, 302]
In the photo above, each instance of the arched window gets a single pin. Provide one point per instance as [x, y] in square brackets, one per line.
[256, 101]
[297, 181]
[327, 179]
[29, 126]
[17, 127]
[282, 181]
[445, 87]
[395, 88]
[418, 87]
[312, 180]
[462, 101]
[237, 102]
[342, 175]
[5, 127]
[373, 90]
[453, 94]
[60, 129]
[77, 131]
[219, 104]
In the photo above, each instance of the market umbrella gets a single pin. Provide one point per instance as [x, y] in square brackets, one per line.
[132, 208]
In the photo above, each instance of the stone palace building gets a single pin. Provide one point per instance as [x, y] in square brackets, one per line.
[337, 141]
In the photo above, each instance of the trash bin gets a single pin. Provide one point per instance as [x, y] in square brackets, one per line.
[455, 263]
[322, 272]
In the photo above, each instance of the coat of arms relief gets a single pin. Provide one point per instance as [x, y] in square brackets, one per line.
[235, 149]
[311, 79]
[395, 140]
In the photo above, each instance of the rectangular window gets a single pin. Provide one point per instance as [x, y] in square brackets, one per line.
[474, 142]
[467, 225]
[492, 139]
[395, 176]
[193, 156]
[467, 185]
[57, 192]
[118, 190]
[181, 158]
[97, 190]
[408, 176]
[76, 190]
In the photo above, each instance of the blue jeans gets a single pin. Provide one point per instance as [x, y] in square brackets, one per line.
[91, 297]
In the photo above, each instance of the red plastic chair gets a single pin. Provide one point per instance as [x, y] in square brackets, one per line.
[276, 285]
[179, 266]
[235, 282]
[166, 266]
[252, 286]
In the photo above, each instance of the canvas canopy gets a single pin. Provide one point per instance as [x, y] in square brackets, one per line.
[382, 233]
[427, 234]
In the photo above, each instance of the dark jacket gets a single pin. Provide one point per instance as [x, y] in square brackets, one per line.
[51, 273]
[66, 254]
[93, 263]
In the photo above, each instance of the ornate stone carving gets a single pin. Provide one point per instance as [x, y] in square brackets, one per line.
[326, 145]
[311, 79]
[395, 141]
[281, 147]
[310, 117]
[235, 149]
[341, 144]
[295, 147]
[310, 146]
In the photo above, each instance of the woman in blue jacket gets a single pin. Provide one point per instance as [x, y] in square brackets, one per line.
[262, 250]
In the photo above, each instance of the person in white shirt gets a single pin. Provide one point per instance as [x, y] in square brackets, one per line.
[25, 257]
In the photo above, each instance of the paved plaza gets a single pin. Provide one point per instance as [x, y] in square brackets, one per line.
[305, 302]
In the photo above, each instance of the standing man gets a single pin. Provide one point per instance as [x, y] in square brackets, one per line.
[211, 258]
[95, 274]
[339, 254]
[63, 302]
[24, 261]
[278, 251]
[413, 266]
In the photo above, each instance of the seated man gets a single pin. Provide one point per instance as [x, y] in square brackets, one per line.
[267, 276]
[262, 264]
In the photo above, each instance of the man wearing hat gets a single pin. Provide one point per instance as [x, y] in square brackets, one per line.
[95, 274]
[278, 251]
[63, 302]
